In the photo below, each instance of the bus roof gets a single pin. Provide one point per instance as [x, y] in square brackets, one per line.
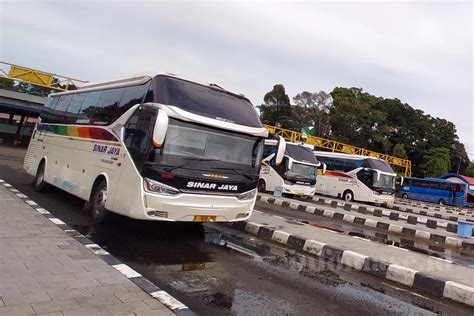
[341, 155]
[138, 80]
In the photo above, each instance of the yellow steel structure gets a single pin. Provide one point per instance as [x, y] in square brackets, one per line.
[335, 146]
[37, 77]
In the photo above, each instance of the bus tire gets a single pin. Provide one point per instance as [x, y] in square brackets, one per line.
[39, 183]
[442, 202]
[261, 186]
[348, 196]
[405, 196]
[97, 202]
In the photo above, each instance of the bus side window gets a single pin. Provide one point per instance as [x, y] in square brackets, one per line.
[107, 106]
[131, 96]
[47, 115]
[138, 135]
[59, 111]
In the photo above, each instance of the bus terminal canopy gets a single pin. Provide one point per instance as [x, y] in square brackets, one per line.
[20, 109]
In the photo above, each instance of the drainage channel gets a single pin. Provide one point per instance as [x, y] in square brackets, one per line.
[216, 270]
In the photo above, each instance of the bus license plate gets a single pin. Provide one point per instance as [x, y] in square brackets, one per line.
[203, 218]
[300, 194]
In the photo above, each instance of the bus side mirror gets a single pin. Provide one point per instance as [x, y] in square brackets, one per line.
[161, 126]
[324, 168]
[281, 148]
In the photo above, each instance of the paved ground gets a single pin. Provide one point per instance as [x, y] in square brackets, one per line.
[206, 273]
[395, 255]
[45, 271]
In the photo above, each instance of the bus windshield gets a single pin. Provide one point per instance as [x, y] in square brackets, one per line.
[384, 181]
[192, 141]
[211, 102]
[302, 171]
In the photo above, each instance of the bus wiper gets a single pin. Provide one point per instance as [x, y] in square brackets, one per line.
[237, 171]
[191, 159]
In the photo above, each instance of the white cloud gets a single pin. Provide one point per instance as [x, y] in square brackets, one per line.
[419, 52]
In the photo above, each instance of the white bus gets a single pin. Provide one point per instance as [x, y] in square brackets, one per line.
[151, 148]
[296, 174]
[354, 177]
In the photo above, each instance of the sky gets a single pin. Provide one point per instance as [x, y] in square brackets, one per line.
[420, 52]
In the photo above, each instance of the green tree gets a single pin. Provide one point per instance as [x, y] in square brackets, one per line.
[277, 109]
[470, 170]
[314, 109]
[399, 151]
[355, 120]
[437, 162]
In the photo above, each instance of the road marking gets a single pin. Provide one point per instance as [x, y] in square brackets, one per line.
[441, 259]
[168, 300]
[57, 221]
[127, 271]
[276, 216]
[257, 211]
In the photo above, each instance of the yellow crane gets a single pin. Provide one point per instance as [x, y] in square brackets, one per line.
[336, 146]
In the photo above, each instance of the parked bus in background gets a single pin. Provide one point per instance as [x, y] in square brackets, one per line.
[151, 148]
[438, 191]
[354, 177]
[295, 175]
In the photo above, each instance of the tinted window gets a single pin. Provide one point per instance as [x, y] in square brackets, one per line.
[130, 97]
[89, 106]
[138, 135]
[76, 102]
[206, 101]
[379, 165]
[300, 153]
[63, 103]
[268, 150]
[47, 116]
[107, 107]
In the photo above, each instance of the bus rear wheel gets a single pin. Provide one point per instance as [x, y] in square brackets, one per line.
[40, 184]
[441, 202]
[97, 203]
[348, 196]
[405, 196]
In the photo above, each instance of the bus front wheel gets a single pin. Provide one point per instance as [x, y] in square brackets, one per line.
[348, 196]
[441, 202]
[97, 202]
[405, 196]
[40, 184]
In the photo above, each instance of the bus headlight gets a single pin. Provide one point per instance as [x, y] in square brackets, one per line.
[158, 188]
[247, 195]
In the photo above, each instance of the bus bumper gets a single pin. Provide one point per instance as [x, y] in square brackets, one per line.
[297, 189]
[193, 207]
[383, 199]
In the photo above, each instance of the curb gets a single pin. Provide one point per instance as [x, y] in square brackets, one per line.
[414, 279]
[431, 206]
[396, 208]
[146, 285]
[390, 228]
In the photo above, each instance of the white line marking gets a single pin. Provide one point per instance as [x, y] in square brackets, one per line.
[30, 202]
[332, 231]
[441, 259]
[57, 221]
[360, 238]
[20, 195]
[398, 248]
[42, 211]
[276, 216]
[6, 185]
[126, 270]
[257, 211]
[168, 300]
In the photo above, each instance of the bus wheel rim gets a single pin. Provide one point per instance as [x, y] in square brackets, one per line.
[99, 202]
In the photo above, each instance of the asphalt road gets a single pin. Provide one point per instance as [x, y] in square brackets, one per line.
[217, 271]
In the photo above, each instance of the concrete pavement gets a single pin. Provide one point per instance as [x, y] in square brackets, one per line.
[46, 271]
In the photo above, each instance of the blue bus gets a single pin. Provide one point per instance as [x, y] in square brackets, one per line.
[434, 191]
